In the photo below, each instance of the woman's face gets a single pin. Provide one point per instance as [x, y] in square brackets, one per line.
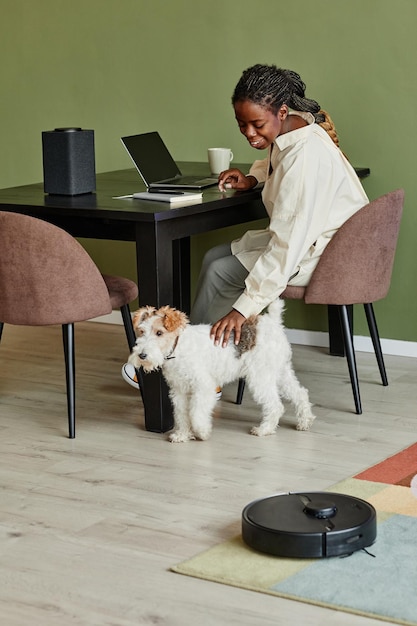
[259, 125]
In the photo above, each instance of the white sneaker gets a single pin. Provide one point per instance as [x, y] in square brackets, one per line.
[129, 375]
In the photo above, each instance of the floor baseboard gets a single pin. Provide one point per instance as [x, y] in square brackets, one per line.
[362, 344]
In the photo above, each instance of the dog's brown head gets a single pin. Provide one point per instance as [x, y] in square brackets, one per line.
[157, 332]
[172, 319]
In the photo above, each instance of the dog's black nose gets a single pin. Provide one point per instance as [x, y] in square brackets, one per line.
[143, 356]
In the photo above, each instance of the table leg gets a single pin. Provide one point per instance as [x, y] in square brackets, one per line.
[157, 405]
[158, 261]
[336, 344]
[181, 274]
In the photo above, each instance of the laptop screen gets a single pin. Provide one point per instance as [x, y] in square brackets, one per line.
[151, 157]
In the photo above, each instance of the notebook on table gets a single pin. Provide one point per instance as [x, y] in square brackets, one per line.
[156, 166]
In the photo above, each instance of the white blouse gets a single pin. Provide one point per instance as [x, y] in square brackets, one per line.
[310, 193]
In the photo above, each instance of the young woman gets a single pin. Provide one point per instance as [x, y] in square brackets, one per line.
[310, 189]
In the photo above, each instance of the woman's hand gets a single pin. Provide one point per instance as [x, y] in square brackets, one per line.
[232, 322]
[235, 179]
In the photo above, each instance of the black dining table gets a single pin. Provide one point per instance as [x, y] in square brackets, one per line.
[162, 236]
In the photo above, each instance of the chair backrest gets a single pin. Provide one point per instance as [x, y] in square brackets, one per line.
[356, 265]
[46, 276]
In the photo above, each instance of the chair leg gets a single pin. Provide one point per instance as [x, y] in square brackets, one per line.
[69, 353]
[1, 329]
[240, 390]
[336, 345]
[350, 356]
[128, 324]
[373, 329]
[131, 340]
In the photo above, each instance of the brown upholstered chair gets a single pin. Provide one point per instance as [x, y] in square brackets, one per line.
[355, 268]
[46, 277]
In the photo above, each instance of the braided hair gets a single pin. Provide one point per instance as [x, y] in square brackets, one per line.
[271, 87]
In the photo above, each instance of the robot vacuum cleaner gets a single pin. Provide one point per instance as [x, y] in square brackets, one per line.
[309, 524]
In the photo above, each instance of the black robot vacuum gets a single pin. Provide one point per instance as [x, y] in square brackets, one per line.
[309, 524]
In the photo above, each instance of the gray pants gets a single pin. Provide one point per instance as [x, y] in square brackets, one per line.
[221, 282]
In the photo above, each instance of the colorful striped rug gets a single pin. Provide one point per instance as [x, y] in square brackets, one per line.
[380, 582]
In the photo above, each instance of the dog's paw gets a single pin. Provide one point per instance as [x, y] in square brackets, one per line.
[202, 434]
[178, 436]
[262, 430]
[304, 423]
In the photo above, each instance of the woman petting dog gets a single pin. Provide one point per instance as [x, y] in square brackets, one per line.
[310, 190]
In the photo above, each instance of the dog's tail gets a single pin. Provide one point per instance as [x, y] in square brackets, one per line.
[276, 308]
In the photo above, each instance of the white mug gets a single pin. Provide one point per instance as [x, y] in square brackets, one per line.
[219, 159]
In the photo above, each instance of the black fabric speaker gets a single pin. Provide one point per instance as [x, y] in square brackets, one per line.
[68, 161]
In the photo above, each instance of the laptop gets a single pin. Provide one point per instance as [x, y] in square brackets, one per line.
[156, 166]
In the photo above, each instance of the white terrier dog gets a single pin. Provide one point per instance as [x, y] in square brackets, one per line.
[193, 367]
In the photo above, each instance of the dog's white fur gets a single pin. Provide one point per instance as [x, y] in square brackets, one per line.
[193, 367]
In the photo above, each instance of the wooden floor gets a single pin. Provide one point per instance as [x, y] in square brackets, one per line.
[90, 527]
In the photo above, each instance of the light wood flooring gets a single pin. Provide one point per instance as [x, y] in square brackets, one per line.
[90, 527]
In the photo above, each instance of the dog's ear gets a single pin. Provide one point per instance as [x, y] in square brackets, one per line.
[172, 319]
[141, 314]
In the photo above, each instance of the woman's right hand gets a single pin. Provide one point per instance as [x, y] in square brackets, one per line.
[235, 179]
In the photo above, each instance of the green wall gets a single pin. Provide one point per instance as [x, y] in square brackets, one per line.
[129, 66]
